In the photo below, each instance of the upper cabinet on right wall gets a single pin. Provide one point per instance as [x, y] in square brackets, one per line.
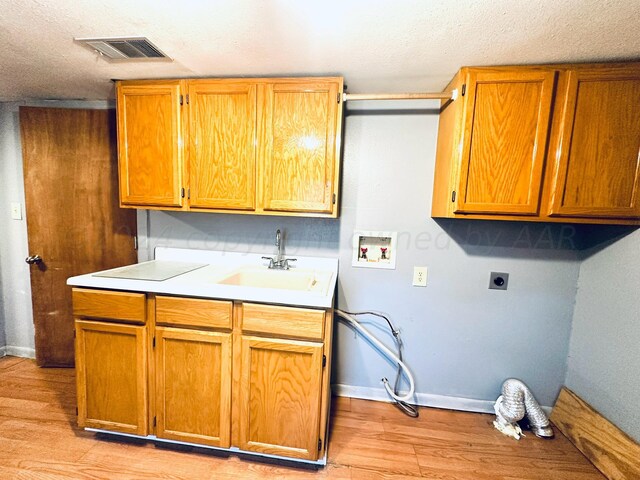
[557, 143]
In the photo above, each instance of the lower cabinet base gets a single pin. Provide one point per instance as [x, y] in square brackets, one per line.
[152, 438]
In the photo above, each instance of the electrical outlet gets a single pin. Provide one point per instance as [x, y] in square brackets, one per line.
[419, 276]
[16, 211]
[498, 280]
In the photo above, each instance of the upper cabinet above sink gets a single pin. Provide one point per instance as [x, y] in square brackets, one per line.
[553, 143]
[263, 146]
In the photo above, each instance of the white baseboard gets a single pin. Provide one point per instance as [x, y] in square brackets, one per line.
[12, 351]
[422, 399]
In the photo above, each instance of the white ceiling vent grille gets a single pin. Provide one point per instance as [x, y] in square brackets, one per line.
[124, 48]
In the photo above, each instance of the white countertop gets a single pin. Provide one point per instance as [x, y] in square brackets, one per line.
[202, 282]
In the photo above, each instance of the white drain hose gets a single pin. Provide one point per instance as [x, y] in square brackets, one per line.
[382, 347]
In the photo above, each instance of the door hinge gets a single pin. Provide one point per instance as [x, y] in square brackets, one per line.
[324, 361]
[453, 196]
[181, 99]
[339, 96]
[464, 89]
[182, 192]
[187, 99]
[334, 198]
[135, 242]
[319, 444]
[155, 421]
[154, 342]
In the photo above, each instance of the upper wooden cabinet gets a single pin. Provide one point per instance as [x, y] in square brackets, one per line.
[299, 168]
[149, 144]
[597, 145]
[262, 146]
[541, 143]
[504, 141]
[222, 144]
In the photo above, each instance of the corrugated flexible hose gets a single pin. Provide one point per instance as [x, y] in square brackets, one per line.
[515, 402]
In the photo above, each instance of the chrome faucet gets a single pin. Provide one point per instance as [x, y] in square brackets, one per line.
[279, 262]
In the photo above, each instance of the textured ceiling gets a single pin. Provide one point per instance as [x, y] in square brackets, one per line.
[379, 46]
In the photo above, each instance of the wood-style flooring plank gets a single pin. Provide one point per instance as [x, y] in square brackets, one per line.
[40, 440]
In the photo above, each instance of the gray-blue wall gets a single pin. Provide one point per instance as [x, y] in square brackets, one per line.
[604, 357]
[461, 339]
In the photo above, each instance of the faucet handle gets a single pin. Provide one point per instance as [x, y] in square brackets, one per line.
[271, 262]
[286, 262]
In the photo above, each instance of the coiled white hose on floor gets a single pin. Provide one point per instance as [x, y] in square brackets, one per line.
[383, 348]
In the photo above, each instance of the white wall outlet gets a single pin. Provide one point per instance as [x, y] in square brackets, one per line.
[419, 276]
[16, 211]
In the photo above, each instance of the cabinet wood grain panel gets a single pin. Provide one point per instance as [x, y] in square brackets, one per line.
[299, 161]
[193, 386]
[194, 312]
[222, 144]
[111, 369]
[506, 127]
[107, 304]
[598, 147]
[283, 321]
[280, 397]
[150, 143]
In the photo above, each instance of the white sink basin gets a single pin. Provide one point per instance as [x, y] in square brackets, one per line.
[301, 280]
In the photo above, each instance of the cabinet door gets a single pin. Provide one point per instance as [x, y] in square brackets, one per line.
[280, 397]
[222, 145]
[111, 371]
[150, 144]
[300, 143]
[193, 386]
[506, 123]
[598, 148]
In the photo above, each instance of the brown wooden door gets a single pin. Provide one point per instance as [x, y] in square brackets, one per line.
[506, 124]
[150, 144]
[193, 386]
[299, 157]
[598, 146]
[73, 219]
[280, 397]
[222, 145]
[111, 374]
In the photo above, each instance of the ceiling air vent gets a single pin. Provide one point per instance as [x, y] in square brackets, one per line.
[124, 48]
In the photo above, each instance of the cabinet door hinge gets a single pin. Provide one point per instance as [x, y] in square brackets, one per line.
[181, 99]
[155, 421]
[188, 193]
[333, 199]
[182, 192]
[187, 99]
[74, 333]
[453, 196]
[339, 97]
[319, 444]
[464, 89]
[324, 361]
[154, 342]
[76, 411]
[135, 242]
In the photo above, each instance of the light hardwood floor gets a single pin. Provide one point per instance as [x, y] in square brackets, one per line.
[39, 439]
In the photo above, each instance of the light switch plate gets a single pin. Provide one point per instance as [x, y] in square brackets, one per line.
[16, 211]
